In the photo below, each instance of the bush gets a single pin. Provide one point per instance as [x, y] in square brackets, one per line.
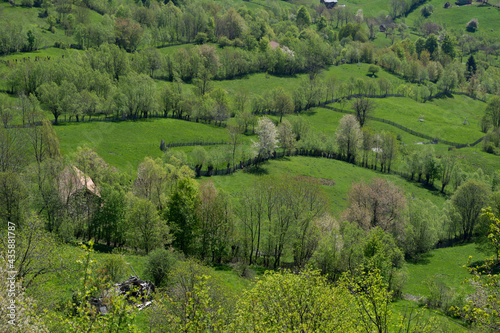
[114, 267]
[427, 10]
[158, 266]
[201, 38]
[472, 25]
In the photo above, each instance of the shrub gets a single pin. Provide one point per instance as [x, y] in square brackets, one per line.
[114, 267]
[158, 266]
[427, 10]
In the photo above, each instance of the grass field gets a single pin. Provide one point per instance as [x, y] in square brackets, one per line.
[456, 17]
[443, 117]
[344, 174]
[446, 264]
[125, 144]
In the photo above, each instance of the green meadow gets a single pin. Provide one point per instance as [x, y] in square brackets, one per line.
[342, 173]
[125, 144]
[443, 118]
[444, 264]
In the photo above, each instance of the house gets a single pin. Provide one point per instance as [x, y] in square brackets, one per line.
[329, 3]
[73, 181]
[382, 28]
[274, 44]
[463, 2]
[447, 5]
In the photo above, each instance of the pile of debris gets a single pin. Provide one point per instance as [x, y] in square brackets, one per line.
[136, 291]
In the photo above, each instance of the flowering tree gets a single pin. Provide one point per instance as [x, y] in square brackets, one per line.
[266, 130]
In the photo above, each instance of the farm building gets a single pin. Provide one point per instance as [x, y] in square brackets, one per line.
[329, 3]
[74, 181]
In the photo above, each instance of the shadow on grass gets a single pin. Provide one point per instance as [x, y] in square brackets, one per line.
[308, 113]
[222, 267]
[445, 95]
[257, 170]
[422, 259]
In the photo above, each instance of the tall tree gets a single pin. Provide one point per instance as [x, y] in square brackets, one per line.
[145, 228]
[468, 200]
[348, 137]
[363, 106]
[493, 111]
[181, 216]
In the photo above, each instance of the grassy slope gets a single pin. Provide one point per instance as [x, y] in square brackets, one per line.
[342, 173]
[446, 264]
[457, 17]
[125, 144]
[443, 117]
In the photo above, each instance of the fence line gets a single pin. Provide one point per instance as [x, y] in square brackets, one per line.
[439, 94]
[403, 128]
[194, 143]
[211, 171]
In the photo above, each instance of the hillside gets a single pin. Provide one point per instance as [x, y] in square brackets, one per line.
[249, 166]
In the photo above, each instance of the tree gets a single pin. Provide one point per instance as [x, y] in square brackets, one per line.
[182, 218]
[493, 111]
[49, 95]
[279, 301]
[282, 102]
[468, 200]
[25, 318]
[266, 130]
[145, 228]
[235, 139]
[471, 66]
[449, 80]
[448, 46]
[151, 181]
[363, 106]
[427, 10]
[423, 227]
[36, 251]
[158, 266]
[389, 151]
[482, 308]
[431, 44]
[303, 17]
[448, 167]
[348, 137]
[128, 33]
[13, 198]
[216, 222]
[286, 136]
[373, 69]
[379, 203]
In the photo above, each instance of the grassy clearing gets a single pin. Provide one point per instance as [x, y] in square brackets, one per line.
[344, 174]
[456, 17]
[445, 264]
[443, 117]
[125, 144]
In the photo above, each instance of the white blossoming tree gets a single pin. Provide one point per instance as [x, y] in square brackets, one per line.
[266, 130]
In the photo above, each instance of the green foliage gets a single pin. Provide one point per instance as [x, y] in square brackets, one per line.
[114, 267]
[278, 301]
[469, 199]
[482, 308]
[145, 228]
[181, 216]
[80, 315]
[303, 17]
[158, 266]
